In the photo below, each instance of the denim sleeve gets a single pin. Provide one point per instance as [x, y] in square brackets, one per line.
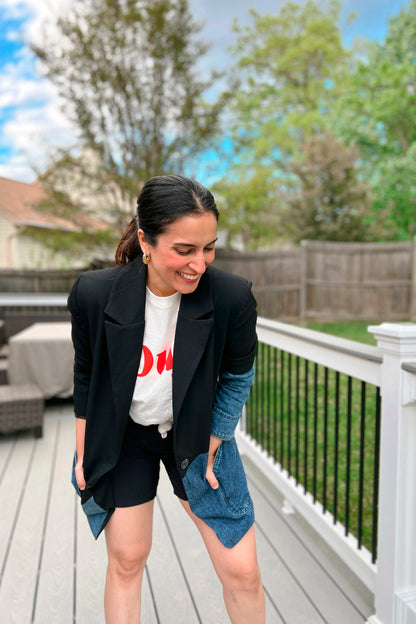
[231, 394]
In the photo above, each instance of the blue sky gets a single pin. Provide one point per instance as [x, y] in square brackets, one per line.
[31, 119]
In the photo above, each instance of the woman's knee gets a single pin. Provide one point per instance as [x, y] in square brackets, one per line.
[128, 563]
[245, 577]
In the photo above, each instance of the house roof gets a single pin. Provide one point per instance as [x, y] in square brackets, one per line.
[18, 202]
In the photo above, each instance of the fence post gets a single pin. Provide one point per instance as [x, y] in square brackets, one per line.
[395, 597]
[303, 281]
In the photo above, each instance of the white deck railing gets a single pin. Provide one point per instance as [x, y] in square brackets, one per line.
[392, 367]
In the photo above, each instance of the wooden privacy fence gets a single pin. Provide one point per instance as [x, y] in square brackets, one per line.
[328, 281]
[323, 281]
[37, 281]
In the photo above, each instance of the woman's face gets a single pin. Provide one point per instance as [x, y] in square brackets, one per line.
[181, 254]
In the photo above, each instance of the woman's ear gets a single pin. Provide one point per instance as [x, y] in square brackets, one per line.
[144, 246]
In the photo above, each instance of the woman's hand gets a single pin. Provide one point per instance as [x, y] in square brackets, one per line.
[79, 475]
[214, 443]
[80, 425]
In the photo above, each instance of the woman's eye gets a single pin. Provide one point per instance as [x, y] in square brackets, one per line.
[183, 253]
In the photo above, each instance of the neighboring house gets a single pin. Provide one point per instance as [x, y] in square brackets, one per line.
[18, 214]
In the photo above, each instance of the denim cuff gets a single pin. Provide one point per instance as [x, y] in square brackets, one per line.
[231, 394]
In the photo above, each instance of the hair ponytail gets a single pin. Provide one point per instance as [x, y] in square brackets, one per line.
[128, 248]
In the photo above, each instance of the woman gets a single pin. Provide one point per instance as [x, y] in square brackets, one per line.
[164, 352]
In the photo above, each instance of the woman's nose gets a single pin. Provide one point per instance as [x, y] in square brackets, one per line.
[198, 264]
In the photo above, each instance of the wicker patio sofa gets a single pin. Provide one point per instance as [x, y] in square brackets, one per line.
[21, 407]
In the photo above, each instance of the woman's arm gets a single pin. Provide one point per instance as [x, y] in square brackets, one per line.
[235, 380]
[230, 398]
[232, 393]
[82, 376]
[82, 348]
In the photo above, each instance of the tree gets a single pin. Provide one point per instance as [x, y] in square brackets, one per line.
[331, 202]
[127, 71]
[290, 68]
[396, 194]
[377, 112]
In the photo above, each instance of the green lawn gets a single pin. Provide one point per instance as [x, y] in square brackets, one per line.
[353, 330]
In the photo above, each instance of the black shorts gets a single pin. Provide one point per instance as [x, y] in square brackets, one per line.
[136, 475]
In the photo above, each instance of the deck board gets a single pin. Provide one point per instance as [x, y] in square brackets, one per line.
[55, 591]
[53, 571]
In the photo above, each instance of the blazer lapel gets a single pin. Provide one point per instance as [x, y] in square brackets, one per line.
[193, 329]
[124, 328]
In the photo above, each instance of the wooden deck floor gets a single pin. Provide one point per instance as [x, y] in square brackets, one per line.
[52, 570]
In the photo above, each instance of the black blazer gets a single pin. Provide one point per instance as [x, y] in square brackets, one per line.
[215, 332]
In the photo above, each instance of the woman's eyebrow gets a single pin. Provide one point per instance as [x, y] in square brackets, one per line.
[191, 245]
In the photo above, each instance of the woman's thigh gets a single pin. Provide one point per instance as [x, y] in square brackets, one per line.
[229, 563]
[128, 533]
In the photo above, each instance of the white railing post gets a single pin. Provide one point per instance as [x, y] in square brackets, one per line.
[395, 596]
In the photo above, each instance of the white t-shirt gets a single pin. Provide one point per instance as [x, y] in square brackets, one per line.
[152, 397]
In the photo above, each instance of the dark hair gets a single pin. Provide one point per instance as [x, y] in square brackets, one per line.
[163, 200]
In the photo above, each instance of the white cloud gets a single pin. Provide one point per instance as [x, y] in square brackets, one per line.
[17, 168]
[29, 103]
[18, 90]
[33, 133]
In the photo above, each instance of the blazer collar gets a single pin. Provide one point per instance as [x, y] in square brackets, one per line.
[127, 299]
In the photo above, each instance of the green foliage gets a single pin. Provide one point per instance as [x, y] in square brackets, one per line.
[296, 87]
[396, 193]
[246, 207]
[291, 68]
[329, 202]
[377, 112]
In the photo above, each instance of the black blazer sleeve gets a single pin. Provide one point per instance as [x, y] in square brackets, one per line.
[83, 355]
[241, 339]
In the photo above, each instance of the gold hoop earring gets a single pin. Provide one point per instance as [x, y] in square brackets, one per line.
[146, 259]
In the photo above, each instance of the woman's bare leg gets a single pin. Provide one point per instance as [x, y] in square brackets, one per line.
[238, 571]
[128, 537]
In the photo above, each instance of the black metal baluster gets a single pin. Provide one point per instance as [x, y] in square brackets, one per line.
[305, 433]
[275, 405]
[336, 448]
[289, 412]
[376, 477]
[282, 397]
[325, 450]
[258, 386]
[297, 417]
[266, 440]
[348, 467]
[315, 431]
[361, 468]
